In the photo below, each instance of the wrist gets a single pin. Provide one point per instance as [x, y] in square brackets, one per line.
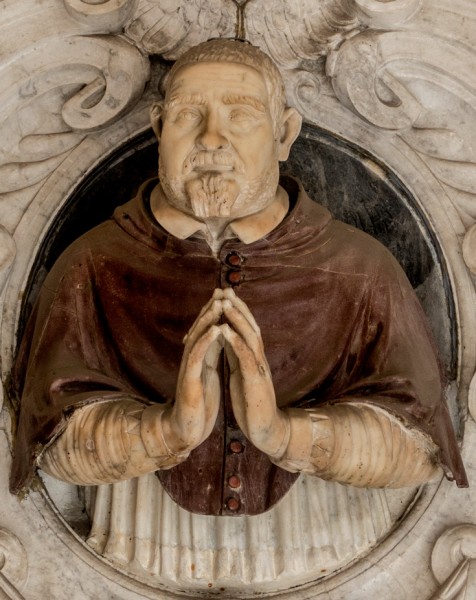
[156, 433]
[296, 454]
[280, 440]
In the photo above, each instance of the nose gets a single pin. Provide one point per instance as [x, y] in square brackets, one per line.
[212, 135]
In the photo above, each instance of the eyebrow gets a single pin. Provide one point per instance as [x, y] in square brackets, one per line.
[197, 99]
[228, 99]
[247, 100]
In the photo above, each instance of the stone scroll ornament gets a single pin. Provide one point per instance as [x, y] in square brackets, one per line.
[395, 82]
[68, 87]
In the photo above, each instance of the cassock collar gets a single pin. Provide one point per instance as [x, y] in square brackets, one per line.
[247, 229]
[305, 221]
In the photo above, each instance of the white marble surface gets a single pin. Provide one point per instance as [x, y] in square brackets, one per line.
[397, 78]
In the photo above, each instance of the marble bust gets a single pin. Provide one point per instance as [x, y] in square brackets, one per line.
[222, 343]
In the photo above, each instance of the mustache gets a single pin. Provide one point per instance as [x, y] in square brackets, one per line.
[216, 158]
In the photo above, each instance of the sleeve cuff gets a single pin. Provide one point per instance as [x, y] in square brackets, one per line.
[152, 435]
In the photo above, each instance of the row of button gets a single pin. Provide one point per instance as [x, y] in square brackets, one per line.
[234, 482]
[234, 260]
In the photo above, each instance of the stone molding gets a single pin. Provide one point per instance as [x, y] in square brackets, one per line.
[396, 78]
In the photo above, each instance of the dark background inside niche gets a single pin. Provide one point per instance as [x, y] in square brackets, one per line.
[334, 173]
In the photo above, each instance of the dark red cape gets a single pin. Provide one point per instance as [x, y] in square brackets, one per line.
[338, 317]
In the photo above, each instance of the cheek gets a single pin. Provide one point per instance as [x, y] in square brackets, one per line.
[260, 156]
[173, 154]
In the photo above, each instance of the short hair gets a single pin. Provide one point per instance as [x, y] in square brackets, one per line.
[241, 52]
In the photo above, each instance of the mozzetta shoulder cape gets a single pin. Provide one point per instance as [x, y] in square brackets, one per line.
[338, 317]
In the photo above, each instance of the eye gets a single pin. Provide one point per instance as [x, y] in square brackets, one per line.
[240, 115]
[187, 115]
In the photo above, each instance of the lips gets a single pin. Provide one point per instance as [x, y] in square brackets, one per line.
[221, 161]
[212, 168]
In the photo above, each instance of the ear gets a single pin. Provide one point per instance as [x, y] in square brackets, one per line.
[290, 128]
[156, 111]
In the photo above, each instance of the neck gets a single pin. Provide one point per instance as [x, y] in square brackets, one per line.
[215, 231]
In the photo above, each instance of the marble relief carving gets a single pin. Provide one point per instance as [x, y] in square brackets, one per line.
[108, 16]
[399, 73]
[13, 566]
[218, 170]
[453, 562]
[86, 84]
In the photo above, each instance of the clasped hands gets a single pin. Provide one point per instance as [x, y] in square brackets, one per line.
[190, 420]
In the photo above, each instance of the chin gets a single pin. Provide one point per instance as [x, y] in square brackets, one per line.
[216, 195]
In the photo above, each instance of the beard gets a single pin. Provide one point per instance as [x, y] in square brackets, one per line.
[211, 195]
[217, 194]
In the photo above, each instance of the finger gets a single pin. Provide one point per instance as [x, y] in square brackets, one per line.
[236, 389]
[211, 389]
[213, 354]
[229, 294]
[251, 387]
[233, 363]
[198, 392]
[194, 363]
[209, 318]
[217, 295]
[242, 326]
[248, 361]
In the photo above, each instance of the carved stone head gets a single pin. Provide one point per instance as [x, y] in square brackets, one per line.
[223, 128]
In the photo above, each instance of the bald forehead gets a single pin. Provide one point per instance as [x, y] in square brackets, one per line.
[197, 75]
[233, 83]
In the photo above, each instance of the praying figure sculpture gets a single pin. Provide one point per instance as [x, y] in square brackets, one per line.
[233, 372]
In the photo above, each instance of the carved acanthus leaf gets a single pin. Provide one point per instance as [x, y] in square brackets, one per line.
[292, 33]
[295, 32]
[171, 27]
[55, 94]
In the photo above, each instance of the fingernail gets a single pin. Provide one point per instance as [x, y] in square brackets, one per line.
[226, 304]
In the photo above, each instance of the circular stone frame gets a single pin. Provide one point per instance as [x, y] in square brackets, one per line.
[378, 199]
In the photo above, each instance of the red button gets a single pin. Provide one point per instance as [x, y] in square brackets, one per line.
[234, 259]
[236, 446]
[234, 481]
[234, 277]
[233, 504]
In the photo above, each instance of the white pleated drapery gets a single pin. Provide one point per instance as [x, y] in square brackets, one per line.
[317, 527]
